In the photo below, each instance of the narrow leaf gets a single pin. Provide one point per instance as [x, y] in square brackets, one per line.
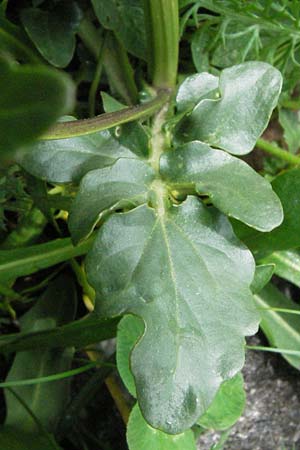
[47, 401]
[287, 265]
[187, 276]
[233, 186]
[262, 276]
[79, 334]
[248, 94]
[281, 329]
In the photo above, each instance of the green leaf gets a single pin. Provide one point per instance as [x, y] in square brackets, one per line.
[195, 88]
[68, 160]
[47, 401]
[287, 265]
[281, 329]
[16, 439]
[262, 276]
[233, 186]
[132, 135]
[186, 275]
[227, 406]
[32, 98]
[290, 122]
[25, 261]
[126, 19]
[53, 32]
[79, 334]
[248, 94]
[126, 183]
[141, 436]
[130, 329]
[286, 236]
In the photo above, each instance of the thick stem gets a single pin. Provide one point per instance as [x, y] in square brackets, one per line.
[75, 128]
[162, 26]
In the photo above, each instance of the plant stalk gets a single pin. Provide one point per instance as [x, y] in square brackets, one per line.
[162, 27]
[64, 130]
[277, 151]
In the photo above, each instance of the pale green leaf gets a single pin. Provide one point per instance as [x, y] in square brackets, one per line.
[233, 186]
[195, 88]
[126, 183]
[187, 276]
[290, 122]
[227, 406]
[130, 329]
[141, 436]
[248, 94]
[287, 265]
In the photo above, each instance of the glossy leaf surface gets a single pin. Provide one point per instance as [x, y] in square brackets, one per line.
[227, 406]
[47, 401]
[68, 160]
[262, 276]
[233, 186]
[248, 94]
[24, 113]
[53, 32]
[195, 88]
[281, 329]
[185, 274]
[141, 436]
[125, 183]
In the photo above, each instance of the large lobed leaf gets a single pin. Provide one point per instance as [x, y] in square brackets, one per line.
[186, 275]
[248, 94]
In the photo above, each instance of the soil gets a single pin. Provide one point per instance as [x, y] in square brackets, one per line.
[271, 420]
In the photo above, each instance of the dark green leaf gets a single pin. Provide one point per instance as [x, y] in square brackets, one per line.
[47, 401]
[248, 94]
[141, 436]
[186, 275]
[262, 276]
[227, 406]
[126, 183]
[281, 329]
[126, 19]
[24, 261]
[290, 122]
[16, 439]
[286, 236]
[68, 160]
[53, 32]
[32, 98]
[233, 186]
[77, 334]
